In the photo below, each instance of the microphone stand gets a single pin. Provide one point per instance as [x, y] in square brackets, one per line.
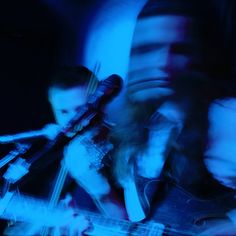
[20, 149]
[81, 120]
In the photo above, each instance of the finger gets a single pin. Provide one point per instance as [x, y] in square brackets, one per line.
[66, 201]
[79, 225]
[51, 130]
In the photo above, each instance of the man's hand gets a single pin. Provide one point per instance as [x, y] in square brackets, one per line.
[51, 131]
[82, 153]
[75, 225]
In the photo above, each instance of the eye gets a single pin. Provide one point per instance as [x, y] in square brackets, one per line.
[182, 48]
[63, 111]
[146, 48]
[78, 108]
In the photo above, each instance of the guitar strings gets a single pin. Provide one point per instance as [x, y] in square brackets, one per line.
[93, 82]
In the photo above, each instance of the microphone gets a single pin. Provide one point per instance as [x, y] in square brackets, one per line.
[106, 90]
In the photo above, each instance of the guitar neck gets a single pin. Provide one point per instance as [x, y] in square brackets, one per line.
[23, 208]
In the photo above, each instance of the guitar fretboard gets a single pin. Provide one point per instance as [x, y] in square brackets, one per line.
[22, 208]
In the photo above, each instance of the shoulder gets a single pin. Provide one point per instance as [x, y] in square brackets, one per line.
[226, 105]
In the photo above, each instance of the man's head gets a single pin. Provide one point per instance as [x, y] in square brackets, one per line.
[68, 91]
[164, 46]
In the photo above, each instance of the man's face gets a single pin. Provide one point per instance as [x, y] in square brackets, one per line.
[66, 102]
[162, 49]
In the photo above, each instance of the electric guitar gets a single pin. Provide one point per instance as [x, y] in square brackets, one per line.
[26, 210]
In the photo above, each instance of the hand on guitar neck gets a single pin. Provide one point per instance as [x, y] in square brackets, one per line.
[32, 215]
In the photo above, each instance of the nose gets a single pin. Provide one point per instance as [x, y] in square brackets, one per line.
[71, 114]
[164, 60]
[63, 119]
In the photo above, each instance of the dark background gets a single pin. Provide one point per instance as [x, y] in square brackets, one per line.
[35, 39]
[38, 36]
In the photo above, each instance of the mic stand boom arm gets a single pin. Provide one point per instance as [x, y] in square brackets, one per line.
[20, 149]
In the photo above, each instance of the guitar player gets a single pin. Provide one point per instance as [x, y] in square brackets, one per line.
[175, 112]
[166, 105]
[84, 168]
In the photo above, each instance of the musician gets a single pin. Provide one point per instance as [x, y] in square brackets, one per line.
[156, 143]
[65, 100]
[166, 101]
[85, 157]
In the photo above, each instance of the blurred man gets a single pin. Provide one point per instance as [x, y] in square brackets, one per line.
[166, 102]
[164, 47]
[164, 55]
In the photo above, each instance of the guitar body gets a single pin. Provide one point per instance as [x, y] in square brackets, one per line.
[183, 213]
[221, 228]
